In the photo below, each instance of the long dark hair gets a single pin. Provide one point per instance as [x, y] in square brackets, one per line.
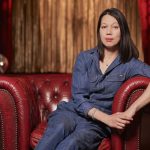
[127, 48]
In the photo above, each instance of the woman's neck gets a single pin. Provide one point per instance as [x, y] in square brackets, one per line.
[109, 57]
[110, 54]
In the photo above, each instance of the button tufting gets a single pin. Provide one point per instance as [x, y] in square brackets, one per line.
[55, 96]
[66, 83]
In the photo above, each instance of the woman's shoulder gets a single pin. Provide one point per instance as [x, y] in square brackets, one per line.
[89, 52]
[87, 56]
[135, 61]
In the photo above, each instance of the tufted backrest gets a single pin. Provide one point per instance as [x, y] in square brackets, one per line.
[49, 90]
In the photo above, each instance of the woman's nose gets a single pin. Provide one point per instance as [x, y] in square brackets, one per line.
[109, 30]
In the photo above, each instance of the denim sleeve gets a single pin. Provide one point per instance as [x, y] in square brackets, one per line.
[138, 67]
[80, 86]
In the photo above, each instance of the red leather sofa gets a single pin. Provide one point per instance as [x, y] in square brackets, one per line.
[26, 100]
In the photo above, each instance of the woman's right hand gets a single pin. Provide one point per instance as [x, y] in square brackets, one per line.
[117, 120]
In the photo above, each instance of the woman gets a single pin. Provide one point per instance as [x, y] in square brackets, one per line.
[83, 122]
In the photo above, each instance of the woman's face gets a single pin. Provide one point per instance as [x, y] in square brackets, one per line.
[109, 31]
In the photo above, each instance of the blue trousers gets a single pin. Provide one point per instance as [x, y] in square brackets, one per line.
[69, 131]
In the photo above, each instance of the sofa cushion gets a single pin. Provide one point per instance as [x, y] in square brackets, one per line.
[36, 135]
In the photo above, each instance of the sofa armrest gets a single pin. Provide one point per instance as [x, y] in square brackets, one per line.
[8, 120]
[16, 113]
[125, 96]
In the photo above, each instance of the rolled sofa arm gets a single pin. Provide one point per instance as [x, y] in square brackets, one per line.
[125, 96]
[16, 99]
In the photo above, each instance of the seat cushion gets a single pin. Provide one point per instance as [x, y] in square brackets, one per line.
[36, 135]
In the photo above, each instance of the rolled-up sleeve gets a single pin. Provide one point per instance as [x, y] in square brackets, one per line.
[80, 86]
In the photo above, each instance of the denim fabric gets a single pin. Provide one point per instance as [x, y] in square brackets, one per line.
[69, 131]
[69, 127]
[91, 88]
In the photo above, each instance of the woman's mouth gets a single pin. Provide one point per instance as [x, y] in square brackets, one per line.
[108, 39]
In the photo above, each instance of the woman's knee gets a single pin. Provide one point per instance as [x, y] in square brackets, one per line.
[62, 121]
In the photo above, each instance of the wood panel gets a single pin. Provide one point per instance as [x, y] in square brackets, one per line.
[49, 34]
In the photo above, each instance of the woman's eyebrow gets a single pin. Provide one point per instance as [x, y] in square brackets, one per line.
[112, 23]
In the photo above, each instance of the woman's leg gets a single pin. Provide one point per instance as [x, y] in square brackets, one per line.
[86, 136]
[60, 125]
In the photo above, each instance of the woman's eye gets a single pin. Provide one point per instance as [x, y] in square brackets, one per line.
[115, 27]
[103, 27]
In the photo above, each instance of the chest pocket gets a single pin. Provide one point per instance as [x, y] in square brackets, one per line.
[93, 82]
[116, 78]
[113, 82]
[92, 78]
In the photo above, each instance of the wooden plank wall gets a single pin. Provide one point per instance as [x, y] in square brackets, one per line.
[48, 34]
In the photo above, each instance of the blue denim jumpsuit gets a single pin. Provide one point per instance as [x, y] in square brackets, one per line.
[69, 127]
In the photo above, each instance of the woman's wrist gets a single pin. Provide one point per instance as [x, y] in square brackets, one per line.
[131, 111]
[96, 114]
[92, 112]
[104, 118]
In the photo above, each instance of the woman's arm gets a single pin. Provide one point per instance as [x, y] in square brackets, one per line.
[117, 120]
[120, 119]
[143, 100]
[80, 86]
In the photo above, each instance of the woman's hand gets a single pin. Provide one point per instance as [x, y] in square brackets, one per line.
[118, 120]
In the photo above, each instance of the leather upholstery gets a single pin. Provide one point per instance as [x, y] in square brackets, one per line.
[26, 101]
